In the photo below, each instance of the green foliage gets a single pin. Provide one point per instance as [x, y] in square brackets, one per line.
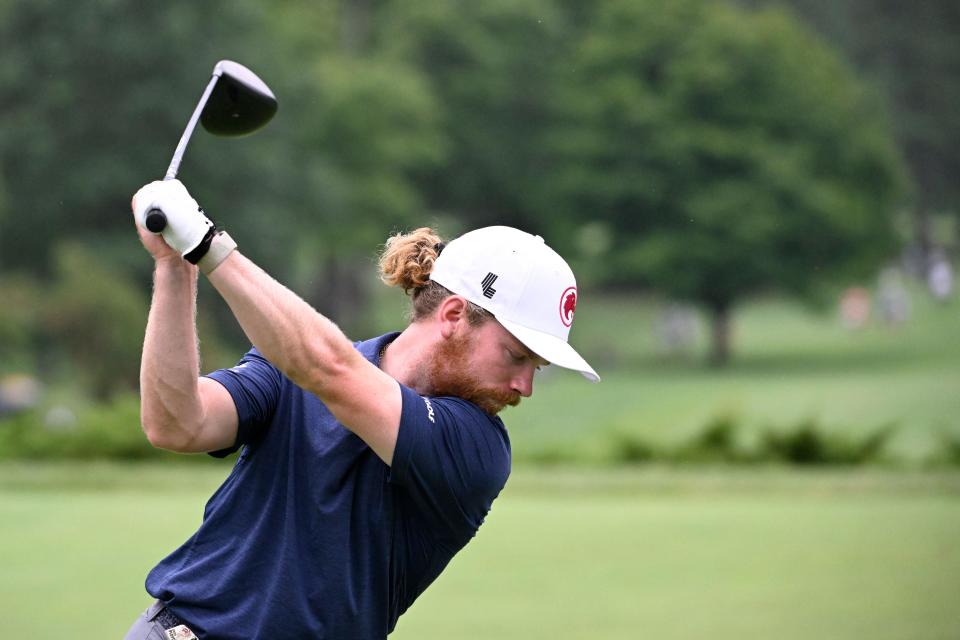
[101, 431]
[950, 447]
[727, 153]
[810, 444]
[88, 101]
[806, 443]
[717, 442]
[372, 130]
[721, 441]
[909, 53]
[19, 340]
[376, 126]
[703, 150]
[109, 430]
[94, 315]
[84, 326]
[492, 66]
[628, 448]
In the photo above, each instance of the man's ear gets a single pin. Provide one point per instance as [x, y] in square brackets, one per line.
[451, 313]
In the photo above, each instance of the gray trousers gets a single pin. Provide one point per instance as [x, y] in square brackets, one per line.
[147, 627]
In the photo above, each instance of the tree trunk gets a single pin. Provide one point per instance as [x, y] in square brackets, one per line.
[923, 240]
[340, 293]
[355, 25]
[720, 335]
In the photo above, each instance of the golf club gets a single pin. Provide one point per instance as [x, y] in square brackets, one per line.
[236, 102]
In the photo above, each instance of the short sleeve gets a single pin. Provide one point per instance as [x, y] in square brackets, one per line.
[452, 459]
[254, 384]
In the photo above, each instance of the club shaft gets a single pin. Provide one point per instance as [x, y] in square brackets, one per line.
[191, 125]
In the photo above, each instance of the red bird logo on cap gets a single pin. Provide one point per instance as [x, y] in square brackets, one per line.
[568, 305]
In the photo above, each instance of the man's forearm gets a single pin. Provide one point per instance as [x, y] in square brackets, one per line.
[307, 347]
[171, 409]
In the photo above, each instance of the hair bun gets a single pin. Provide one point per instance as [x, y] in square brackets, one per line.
[407, 259]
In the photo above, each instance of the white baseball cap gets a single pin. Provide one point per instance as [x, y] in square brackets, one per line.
[525, 284]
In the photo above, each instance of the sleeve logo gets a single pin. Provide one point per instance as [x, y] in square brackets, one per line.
[429, 410]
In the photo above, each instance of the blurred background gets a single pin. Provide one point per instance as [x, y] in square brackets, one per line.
[760, 200]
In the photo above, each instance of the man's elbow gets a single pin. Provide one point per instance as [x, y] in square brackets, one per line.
[166, 436]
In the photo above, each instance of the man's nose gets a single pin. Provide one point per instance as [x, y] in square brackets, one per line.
[522, 383]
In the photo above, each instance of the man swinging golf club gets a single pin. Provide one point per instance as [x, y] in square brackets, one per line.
[364, 467]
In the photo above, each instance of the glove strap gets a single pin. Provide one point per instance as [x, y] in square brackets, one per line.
[220, 246]
[194, 255]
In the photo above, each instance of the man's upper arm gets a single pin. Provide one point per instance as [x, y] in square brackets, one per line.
[367, 401]
[452, 460]
[220, 421]
[240, 401]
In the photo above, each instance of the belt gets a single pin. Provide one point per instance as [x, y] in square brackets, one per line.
[168, 620]
[158, 613]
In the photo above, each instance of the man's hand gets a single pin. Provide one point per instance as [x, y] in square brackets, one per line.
[187, 226]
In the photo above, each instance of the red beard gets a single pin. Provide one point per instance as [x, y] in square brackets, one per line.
[448, 374]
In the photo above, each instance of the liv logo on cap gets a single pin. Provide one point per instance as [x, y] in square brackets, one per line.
[533, 292]
[487, 284]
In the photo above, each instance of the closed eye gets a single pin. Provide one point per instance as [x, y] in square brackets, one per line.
[520, 358]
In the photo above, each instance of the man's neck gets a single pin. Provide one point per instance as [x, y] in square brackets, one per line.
[402, 359]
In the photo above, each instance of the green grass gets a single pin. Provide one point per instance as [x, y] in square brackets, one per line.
[728, 564]
[655, 553]
[622, 553]
[789, 365]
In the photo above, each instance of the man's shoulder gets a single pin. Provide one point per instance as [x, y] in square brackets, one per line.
[474, 430]
[462, 409]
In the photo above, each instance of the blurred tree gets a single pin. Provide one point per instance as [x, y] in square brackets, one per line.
[910, 52]
[706, 151]
[492, 66]
[712, 153]
[366, 126]
[93, 97]
[95, 315]
[374, 129]
[19, 341]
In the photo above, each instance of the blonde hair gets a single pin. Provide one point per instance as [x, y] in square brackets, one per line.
[407, 259]
[406, 262]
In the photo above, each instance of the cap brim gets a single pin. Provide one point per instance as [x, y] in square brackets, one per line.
[552, 349]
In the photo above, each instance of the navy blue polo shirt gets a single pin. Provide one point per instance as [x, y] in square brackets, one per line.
[312, 535]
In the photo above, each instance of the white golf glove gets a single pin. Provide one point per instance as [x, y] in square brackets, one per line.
[187, 227]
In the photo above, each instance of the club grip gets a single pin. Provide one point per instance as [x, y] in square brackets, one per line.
[155, 221]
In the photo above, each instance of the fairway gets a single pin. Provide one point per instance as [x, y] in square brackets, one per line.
[790, 365]
[619, 554]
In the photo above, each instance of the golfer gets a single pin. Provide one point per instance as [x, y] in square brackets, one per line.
[364, 467]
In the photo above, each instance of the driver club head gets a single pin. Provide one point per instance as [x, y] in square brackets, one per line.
[236, 102]
[240, 102]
